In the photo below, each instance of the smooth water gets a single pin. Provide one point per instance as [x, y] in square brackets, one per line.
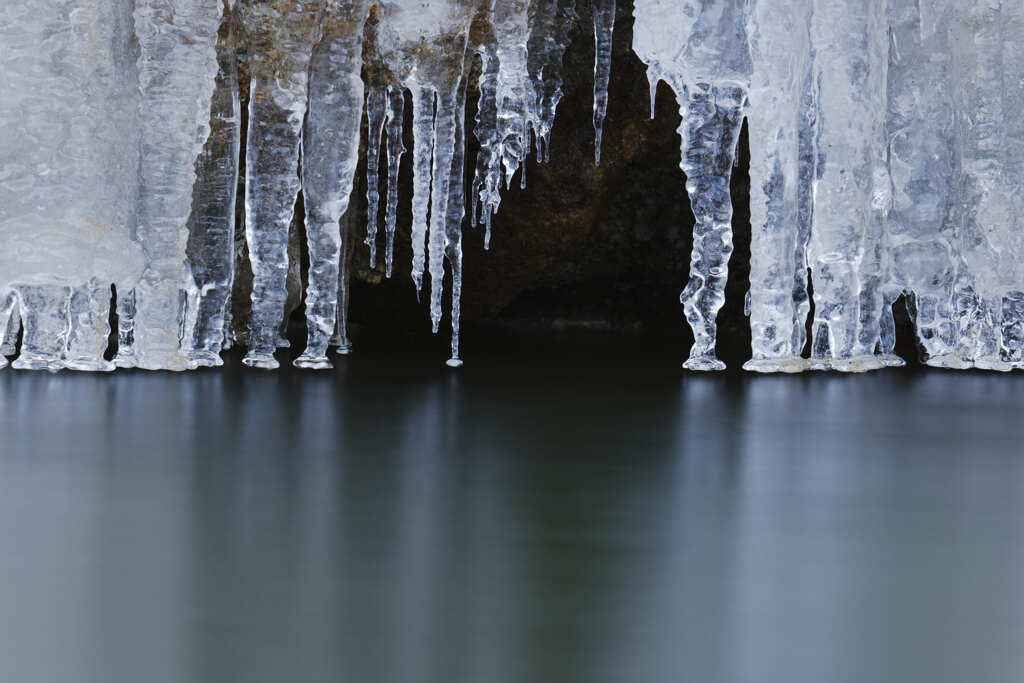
[572, 510]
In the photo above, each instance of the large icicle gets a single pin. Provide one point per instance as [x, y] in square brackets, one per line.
[604, 24]
[456, 214]
[9, 325]
[330, 146]
[849, 41]
[987, 98]
[711, 76]
[177, 70]
[212, 223]
[780, 60]
[919, 234]
[279, 38]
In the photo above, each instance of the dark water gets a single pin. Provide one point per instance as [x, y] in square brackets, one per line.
[577, 510]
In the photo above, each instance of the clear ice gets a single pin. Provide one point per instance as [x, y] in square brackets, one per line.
[886, 148]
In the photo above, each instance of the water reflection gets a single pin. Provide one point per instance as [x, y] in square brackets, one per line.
[569, 521]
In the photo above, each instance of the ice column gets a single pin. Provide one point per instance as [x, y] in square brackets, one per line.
[279, 37]
[849, 41]
[212, 223]
[177, 71]
[89, 327]
[779, 184]
[920, 236]
[68, 174]
[987, 100]
[701, 50]
[376, 112]
[396, 148]
[456, 208]
[330, 153]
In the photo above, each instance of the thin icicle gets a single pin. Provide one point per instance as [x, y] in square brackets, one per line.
[444, 143]
[396, 148]
[456, 213]
[376, 107]
[653, 78]
[486, 191]
[423, 152]
[604, 24]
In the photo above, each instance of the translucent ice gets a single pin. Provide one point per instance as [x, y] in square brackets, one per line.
[701, 50]
[211, 227]
[887, 159]
[69, 131]
[177, 72]
[330, 152]
[279, 38]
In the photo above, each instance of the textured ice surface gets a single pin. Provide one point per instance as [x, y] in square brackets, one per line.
[887, 159]
[69, 129]
[211, 226]
[701, 50]
[177, 71]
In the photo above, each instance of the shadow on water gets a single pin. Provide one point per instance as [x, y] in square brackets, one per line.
[566, 509]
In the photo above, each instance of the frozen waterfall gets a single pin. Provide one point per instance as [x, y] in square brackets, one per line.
[886, 146]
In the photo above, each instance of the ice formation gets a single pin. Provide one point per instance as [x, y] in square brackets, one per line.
[887, 158]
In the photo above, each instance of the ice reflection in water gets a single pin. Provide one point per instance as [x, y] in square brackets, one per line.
[566, 521]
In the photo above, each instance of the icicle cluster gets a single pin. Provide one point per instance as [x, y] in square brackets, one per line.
[121, 158]
[887, 159]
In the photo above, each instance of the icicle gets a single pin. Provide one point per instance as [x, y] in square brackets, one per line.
[177, 71]
[848, 197]
[396, 147]
[711, 121]
[211, 225]
[330, 154]
[781, 69]
[486, 184]
[280, 39]
[376, 104]
[711, 82]
[423, 152]
[444, 136]
[604, 24]
[456, 212]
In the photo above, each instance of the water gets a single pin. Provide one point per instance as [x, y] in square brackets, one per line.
[574, 509]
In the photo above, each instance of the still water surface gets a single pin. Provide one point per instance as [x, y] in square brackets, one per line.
[553, 512]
